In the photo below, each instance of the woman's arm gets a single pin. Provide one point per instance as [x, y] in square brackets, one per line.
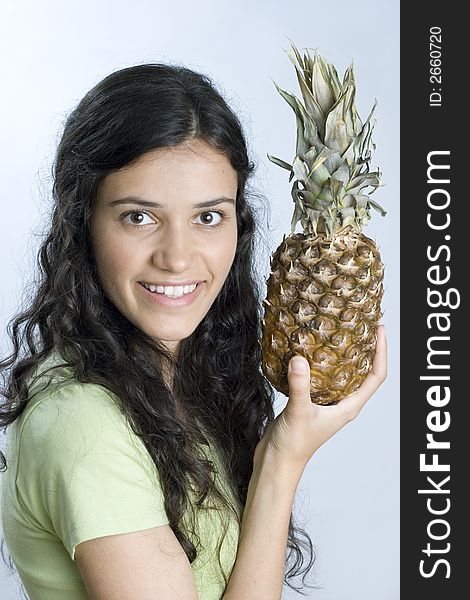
[279, 461]
[258, 572]
[152, 564]
[142, 565]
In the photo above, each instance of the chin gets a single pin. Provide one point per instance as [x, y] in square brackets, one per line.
[169, 332]
[168, 340]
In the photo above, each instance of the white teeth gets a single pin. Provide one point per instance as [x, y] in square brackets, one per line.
[173, 291]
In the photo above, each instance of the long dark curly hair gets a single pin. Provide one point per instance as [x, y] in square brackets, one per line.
[217, 374]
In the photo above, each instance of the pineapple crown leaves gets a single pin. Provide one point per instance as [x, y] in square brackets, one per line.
[333, 149]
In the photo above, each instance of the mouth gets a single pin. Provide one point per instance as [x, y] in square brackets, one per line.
[171, 296]
[171, 291]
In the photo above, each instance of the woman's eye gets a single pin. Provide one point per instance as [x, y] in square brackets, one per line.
[136, 218]
[208, 219]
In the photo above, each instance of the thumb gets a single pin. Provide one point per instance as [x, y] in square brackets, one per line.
[298, 377]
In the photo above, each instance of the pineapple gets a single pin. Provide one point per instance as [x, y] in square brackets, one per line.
[326, 283]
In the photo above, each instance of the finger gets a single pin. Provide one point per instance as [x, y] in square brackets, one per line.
[379, 366]
[374, 379]
[298, 377]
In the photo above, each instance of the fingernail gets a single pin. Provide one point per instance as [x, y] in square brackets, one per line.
[299, 365]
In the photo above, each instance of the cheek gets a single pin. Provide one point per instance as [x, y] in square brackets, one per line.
[223, 254]
[114, 259]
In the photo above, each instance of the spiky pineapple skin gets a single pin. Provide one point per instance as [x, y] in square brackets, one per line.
[323, 302]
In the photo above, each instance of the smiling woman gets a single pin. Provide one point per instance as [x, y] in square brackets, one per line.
[129, 463]
[143, 458]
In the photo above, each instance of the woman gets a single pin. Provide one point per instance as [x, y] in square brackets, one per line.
[143, 457]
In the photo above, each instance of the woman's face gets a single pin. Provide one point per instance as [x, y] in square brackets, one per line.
[168, 220]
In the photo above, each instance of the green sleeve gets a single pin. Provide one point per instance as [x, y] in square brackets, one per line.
[83, 465]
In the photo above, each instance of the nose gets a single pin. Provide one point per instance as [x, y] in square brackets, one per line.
[174, 251]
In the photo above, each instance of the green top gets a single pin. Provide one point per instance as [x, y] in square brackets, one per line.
[76, 471]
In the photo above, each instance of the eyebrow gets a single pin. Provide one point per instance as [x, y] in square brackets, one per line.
[137, 200]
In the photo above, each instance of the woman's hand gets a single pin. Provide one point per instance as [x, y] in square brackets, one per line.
[302, 427]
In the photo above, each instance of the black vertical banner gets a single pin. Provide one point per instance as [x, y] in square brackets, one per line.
[435, 265]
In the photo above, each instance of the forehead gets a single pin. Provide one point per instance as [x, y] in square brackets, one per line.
[190, 170]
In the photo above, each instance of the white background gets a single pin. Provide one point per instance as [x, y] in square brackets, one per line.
[53, 52]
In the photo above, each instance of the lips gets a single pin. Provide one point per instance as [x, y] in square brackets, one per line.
[169, 290]
[168, 301]
[173, 283]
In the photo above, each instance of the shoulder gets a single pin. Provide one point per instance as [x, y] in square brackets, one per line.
[82, 465]
[60, 403]
[76, 438]
[71, 421]
[64, 409]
